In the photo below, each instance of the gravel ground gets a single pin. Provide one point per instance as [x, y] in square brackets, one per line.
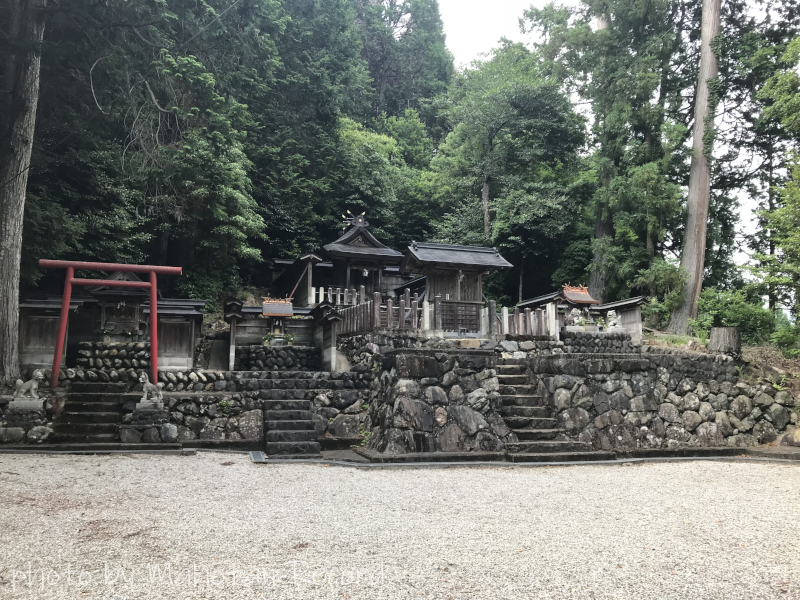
[217, 526]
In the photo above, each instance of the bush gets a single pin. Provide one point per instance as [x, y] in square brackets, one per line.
[786, 339]
[732, 308]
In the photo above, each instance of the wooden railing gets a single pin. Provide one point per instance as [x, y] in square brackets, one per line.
[445, 315]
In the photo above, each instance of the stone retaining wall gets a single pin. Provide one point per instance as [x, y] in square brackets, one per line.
[277, 358]
[662, 401]
[429, 401]
[428, 394]
[28, 426]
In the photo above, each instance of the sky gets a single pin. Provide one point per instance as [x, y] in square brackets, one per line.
[473, 27]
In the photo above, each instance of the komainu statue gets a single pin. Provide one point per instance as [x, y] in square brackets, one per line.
[149, 388]
[29, 389]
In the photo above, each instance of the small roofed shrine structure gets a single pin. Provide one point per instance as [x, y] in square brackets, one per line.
[453, 281]
[346, 271]
[102, 313]
[574, 308]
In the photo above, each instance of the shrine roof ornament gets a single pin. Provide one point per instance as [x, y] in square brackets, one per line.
[578, 294]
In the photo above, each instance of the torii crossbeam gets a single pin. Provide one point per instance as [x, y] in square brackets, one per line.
[71, 265]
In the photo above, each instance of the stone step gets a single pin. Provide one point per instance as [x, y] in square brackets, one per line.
[528, 423]
[287, 405]
[93, 407]
[514, 361]
[525, 435]
[510, 369]
[525, 411]
[290, 384]
[561, 456]
[85, 428]
[290, 394]
[295, 435]
[101, 397]
[237, 375]
[518, 390]
[541, 446]
[530, 400]
[82, 438]
[275, 449]
[512, 379]
[294, 456]
[287, 415]
[286, 425]
[89, 417]
[98, 388]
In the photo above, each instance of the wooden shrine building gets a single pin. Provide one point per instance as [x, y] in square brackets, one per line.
[109, 314]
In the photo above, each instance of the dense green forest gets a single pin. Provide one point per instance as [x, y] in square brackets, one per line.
[217, 134]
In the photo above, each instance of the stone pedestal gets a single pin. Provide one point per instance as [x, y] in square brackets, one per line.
[24, 404]
[148, 425]
[149, 406]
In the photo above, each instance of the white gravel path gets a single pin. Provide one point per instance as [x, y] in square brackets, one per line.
[228, 528]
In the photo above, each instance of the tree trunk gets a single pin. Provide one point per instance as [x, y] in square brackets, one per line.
[725, 340]
[603, 227]
[521, 272]
[19, 95]
[694, 250]
[487, 223]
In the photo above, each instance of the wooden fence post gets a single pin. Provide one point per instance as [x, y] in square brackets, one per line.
[389, 315]
[376, 310]
[414, 316]
[426, 315]
[437, 312]
[407, 296]
[528, 322]
[517, 328]
[504, 320]
[362, 297]
[401, 321]
[492, 317]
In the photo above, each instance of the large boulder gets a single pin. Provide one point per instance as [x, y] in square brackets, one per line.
[469, 420]
[169, 433]
[691, 420]
[344, 426]
[708, 434]
[39, 434]
[478, 400]
[574, 420]
[450, 439]
[251, 425]
[741, 406]
[417, 415]
[669, 412]
[778, 415]
[435, 395]
[11, 435]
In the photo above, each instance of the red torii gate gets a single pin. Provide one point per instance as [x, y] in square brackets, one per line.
[71, 265]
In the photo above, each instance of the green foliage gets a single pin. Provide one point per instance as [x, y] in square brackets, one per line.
[224, 406]
[724, 308]
[787, 339]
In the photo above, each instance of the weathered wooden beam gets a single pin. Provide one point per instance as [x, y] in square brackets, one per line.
[492, 317]
[389, 315]
[376, 310]
[401, 322]
[414, 316]
[437, 312]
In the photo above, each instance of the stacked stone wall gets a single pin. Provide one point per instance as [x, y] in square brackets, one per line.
[277, 358]
[429, 394]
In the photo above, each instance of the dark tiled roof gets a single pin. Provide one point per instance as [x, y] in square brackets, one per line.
[539, 300]
[627, 303]
[362, 250]
[458, 255]
[372, 246]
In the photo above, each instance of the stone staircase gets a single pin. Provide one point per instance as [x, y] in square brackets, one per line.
[529, 415]
[288, 422]
[91, 415]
